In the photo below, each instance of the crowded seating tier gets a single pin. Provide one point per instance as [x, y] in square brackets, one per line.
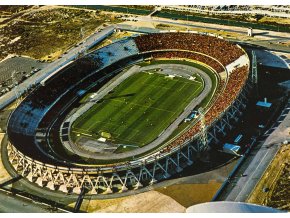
[189, 55]
[220, 49]
[226, 98]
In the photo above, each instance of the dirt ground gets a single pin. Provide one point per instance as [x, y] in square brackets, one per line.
[278, 20]
[273, 188]
[168, 196]
[279, 197]
[170, 199]
[148, 202]
[4, 175]
[190, 194]
[4, 114]
[140, 24]
[46, 32]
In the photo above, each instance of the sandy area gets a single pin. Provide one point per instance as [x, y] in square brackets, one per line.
[171, 199]
[275, 19]
[169, 196]
[140, 24]
[148, 202]
[4, 175]
[190, 194]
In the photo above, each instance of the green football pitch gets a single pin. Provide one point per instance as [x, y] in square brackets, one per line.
[138, 109]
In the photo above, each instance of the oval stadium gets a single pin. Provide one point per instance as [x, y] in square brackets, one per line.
[129, 114]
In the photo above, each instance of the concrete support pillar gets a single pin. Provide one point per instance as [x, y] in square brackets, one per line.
[63, 188]
[124, 188]
[108, 191]
[50, 185]
[30, 177]
[77, 190]
[39, 181]
[138, 185]
[93, 191]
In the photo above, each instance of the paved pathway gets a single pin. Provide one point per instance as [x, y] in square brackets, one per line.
[270, 35]
[15, 204]
[261, 39]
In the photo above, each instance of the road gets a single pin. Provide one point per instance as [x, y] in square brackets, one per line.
[232, 11]
[270, 35]
[253, 173]
[14, 204]
[262, 38]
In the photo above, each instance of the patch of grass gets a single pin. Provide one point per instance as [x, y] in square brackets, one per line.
[211, 74]
[124, 148]
[190, 194]
[139, 109]
[86, 98]
[206, 100]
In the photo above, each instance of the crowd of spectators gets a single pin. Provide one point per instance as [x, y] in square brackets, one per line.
[235, 83]
[220, 49]
[189, 55]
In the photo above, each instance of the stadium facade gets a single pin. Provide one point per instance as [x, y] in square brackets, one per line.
[39, 136]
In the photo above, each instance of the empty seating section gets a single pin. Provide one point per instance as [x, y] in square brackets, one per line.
[220, 49]
[25, 120]
[116, 51]
[27, 116]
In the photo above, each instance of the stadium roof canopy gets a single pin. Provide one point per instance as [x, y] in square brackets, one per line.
[230, 207]
[264, 104]
[230, 148]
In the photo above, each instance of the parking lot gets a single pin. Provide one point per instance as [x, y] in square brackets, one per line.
[22, 67]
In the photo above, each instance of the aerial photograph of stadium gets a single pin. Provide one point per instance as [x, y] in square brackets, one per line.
[145, 108]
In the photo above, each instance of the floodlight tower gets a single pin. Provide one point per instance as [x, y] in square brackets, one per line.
[82, 33]
[254, 76]
[82, 36]
[16, 91]
[203, 143]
